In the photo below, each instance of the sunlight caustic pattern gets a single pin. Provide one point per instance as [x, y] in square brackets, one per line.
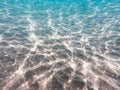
[59, 45]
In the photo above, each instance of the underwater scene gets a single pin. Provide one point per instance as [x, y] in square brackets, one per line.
[59, 44]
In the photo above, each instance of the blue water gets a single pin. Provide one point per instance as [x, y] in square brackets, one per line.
[59, 44]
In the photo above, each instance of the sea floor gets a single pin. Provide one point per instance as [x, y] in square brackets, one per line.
[60, 45]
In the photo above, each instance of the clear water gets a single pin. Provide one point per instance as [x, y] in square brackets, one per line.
[59, 44]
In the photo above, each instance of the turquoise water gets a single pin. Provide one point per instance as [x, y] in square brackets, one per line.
[59, 44]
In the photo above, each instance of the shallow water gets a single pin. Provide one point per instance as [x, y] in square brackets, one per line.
[59, 45]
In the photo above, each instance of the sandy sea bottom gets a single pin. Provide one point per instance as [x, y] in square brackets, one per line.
[70, 45]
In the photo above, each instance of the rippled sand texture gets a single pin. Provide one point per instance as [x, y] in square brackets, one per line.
[59, 45]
